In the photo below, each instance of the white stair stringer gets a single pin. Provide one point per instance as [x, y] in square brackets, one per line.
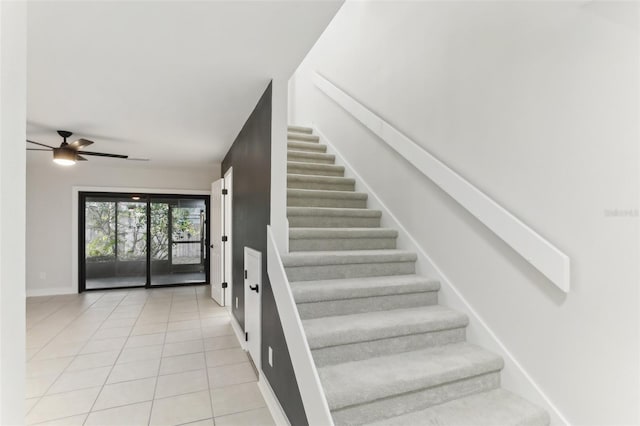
[384, 350]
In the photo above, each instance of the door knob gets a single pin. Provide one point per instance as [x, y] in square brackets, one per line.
[254, 288]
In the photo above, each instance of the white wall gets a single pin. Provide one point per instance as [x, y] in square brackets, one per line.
[50, 213]
[13, 108]
[535, 103]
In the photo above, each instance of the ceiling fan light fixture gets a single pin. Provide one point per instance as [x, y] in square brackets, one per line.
[64, 157]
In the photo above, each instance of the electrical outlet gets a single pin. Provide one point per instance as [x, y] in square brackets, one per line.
[270, 356]
[236, 303]
[43, 275]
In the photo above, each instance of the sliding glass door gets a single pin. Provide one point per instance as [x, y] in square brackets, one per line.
[178, 243]
[138, 240]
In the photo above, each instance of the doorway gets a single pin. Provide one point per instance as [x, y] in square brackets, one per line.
[131, 240]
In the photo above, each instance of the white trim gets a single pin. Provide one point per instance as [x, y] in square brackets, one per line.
[238, 331]
[278, 414]
[311, 392]
[74, 217]
[54, 291]
[543, 255]
[514, 377]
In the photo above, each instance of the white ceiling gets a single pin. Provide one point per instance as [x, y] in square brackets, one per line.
[170, 81]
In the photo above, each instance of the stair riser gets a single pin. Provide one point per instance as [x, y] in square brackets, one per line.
[321, 185]
[329, 244]
[311, 172]
[363, 350]
[333, 222]
[419, 400]
[310, 159]
[366, 304]
[329, 272]
[306, 147]
[326, 202]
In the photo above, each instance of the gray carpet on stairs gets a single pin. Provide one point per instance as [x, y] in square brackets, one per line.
[386, 352]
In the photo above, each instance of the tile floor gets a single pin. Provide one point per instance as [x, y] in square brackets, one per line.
[138, 357]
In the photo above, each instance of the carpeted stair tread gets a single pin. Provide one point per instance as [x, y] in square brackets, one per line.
[352, 288]
[295, 136]
[332, 211]
[306, 146]
[346, 329]
[316, 168]
[311, 157]
[341, 233]
[346, 257]
[325, 193]
[359, 382]
[292, 128]
[323, 180]
[496, 407]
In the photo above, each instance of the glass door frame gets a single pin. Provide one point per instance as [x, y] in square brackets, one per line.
[147, 198]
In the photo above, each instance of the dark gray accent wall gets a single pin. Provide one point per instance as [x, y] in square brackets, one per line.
[250, 157]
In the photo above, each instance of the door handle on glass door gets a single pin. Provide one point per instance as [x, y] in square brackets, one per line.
[254, 288]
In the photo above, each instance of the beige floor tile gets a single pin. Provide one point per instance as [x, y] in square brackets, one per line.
[231, 375]
[103, 345]
[66, 421]
[181, 383]
[134, 370]
[184, 316]
[226, 357]
[181, 409]
[182, 348]
[145, 340]
[74, 380]
[183, 335]
[118, 322]
[217, 330]
[206, 422]
[98, 359]
[38, 386]
[222, 342]
[29, 403]
[47, 367]
[258, 417]
[59, 350]
[150, 328]
[130, 415]
[109, 333]
[183, 325]
[139, 354]
[61, 405]
[182, 363]
[125, 393]
[236, 398]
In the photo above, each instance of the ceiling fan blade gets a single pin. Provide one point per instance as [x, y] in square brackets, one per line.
[80, 143]
[41, 144]
[137, 159]
[38, 149]
[80, 158]
[102, 154]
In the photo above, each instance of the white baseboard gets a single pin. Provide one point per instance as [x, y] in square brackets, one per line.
[514, 376]
[54, 291]
[238, 330]
[279, 417]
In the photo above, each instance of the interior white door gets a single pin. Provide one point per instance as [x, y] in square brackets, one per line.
[252, 302]
[216, 259]
[228, 245]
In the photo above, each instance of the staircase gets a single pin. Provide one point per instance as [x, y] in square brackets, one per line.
[386, 352]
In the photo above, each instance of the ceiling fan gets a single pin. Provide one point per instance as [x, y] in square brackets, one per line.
[68, 153]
